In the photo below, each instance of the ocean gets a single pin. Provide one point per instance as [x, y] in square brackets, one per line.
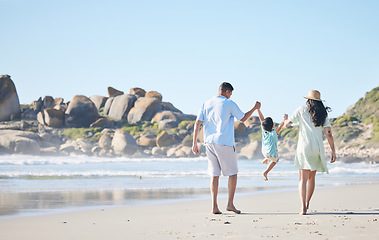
[41, 184]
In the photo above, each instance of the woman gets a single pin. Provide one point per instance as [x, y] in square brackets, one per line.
[310, 155]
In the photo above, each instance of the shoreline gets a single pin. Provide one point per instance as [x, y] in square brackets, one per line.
[348, 212]
[74, 200]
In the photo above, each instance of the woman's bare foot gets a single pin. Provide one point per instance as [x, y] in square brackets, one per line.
[265, 176]
[265, 161]
[233, 209]
[304, 212]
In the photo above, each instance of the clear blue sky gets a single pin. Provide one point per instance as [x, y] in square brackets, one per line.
[271, 51]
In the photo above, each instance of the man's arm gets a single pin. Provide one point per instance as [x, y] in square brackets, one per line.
[248, 114]
[195, 148]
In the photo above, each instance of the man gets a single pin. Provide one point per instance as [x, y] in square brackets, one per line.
[218, 115]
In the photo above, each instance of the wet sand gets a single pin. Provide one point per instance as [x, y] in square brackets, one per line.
[349, 212]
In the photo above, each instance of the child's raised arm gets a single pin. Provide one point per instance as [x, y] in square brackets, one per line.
[285, 117]
[260, 115]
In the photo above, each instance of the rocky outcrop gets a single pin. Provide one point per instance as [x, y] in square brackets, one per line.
[147, 141]
[9, 103]
[121, 106]
[20, 142]
[123, 143]
[164, 140]
[81, 112]
[53, 117]
[112, 92]
[139, 92]
[170, 107]
[239, 128]
[107, 105]
[144, 109]
[103, 123]
[154, 94]
[48, 102]
[105, 141]
[99, 101]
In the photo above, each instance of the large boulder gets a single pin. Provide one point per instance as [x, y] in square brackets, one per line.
[103, 123]
[252, 122]
[147, 141]
[9, 102]
[99, 101]
[48, 102]
[170, 107]
[107, 105]
[20, 142]
[58, 101]
[239, 128]
[165, 115]
[137, 91]
[164, 140]
[144, 109]
[123, 143]
[154, 94]
[121, 106]
[114, 92]
[105, 141]
[81, 112]
[167, 124]
[53, 117]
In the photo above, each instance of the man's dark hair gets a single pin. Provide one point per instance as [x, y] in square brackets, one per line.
[267, 124]
[226, 86]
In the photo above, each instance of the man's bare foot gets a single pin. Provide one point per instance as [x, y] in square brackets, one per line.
[265, 161]
[216, 211]
[233, 209]
[265, 176]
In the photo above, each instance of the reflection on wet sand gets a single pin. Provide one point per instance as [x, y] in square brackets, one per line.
[13, 203]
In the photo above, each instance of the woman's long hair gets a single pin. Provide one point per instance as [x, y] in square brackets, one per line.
[318, 112]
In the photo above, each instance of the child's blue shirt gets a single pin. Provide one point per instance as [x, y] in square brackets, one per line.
[270, 143]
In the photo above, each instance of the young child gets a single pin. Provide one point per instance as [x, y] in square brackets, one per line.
[270, 141]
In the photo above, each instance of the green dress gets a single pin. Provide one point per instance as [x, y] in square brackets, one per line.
[310, 152]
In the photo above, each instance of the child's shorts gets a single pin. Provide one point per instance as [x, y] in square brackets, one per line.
[272, 159]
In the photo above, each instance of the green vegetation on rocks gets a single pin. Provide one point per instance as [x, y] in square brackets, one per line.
[90, 134]
[290, 133]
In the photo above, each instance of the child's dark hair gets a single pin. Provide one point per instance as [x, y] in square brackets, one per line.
[267, 124]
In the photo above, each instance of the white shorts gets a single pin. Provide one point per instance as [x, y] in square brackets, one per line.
[272, 159]
[221, 158]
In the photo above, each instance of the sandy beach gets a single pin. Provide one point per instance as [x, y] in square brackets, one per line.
[348, 212]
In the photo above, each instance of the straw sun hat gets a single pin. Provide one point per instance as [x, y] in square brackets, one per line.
[314, 95]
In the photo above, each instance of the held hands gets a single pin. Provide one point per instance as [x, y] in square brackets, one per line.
[285, 117]
[257, 105]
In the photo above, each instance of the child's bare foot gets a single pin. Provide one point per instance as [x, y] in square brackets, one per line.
[265, 176]
[265, 161]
